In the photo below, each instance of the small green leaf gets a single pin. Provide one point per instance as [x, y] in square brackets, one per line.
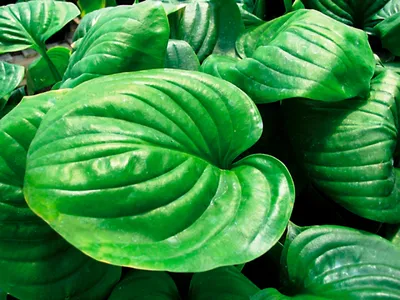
[144, 285]
[10, 77]
[181, 56]
[348, 147]
[210, 27]
[389, 31]
[161, 144]
[302, 54]
[34, 259]
[226, 283]
[87, 6]
[30, 24]
[38, 74]
[119, 42]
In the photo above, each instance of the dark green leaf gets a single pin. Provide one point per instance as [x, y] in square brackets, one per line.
[364, 14]
[10, 77]
[226, 283]
[181, 56]
[161, 144]
[302, 54]
[12, 100]
[348, 148]
[120, 42]
[389, 32]
[145, 285]
[38, 74]
[30, 24]
[35, 260]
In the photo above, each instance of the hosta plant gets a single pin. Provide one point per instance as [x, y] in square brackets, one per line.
[168, 152]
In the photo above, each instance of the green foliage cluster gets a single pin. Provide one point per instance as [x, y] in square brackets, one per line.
[185, 137]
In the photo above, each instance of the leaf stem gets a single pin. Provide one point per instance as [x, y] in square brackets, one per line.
[42, 51]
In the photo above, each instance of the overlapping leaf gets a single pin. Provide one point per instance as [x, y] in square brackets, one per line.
[129, 38]
[348, 148]
[39, 76]
[389, 31]
[145, 285]
[181, 56]
[210, 27]
[141, 173]
[364, 14]
[226, 283]
[302, 54]
[35, 260]
[29, 24]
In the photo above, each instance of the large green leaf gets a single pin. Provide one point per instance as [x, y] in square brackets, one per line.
[129, 38]
[302, 54]
[226, 283]
[145, 285]
[389, 32]
[10, 77]
[335, 262]
[29, 24]
[161, 145]
[39, 76]
[181, 56]
[348, 148]
[35, 260]
[210, 27]
[364, 14]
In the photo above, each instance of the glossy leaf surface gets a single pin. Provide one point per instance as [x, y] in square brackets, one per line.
[335, 262]
[145, 285]
[120, 43]
[347, 148]
[181, 56]
[389, 32]
[29, 24]
[39, 76]
[10, 77]
[35, 260]
[302, 54]
[226, 283]
[161, 144]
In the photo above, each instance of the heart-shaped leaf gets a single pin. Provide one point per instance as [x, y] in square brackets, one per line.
[181, 56]
[38, 74]
[329, 61]
[161, 145]
[347, 148]
[120, 43]
[333, 262]
[10, 77]
[145, 285]
[35, 260]
[226, 283]
[29, 24]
